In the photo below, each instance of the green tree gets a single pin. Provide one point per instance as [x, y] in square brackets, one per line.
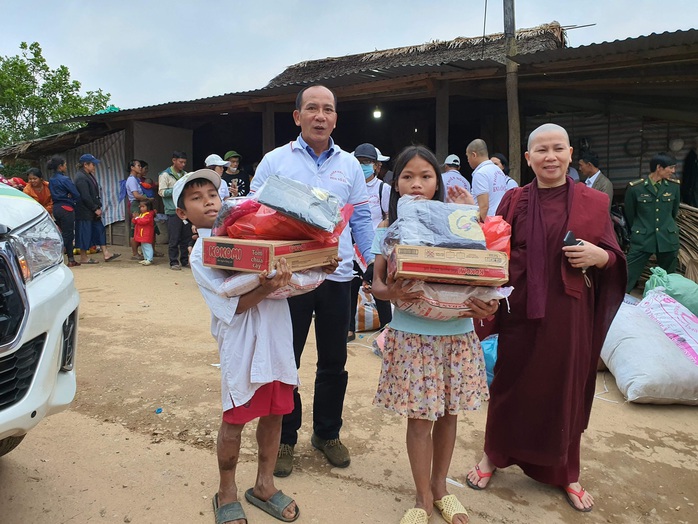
[33, 96]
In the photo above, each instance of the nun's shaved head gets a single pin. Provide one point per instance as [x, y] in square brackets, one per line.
[547, 128]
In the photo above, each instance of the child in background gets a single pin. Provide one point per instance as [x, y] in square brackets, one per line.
[431, 369]
[144, 232]
[258, 367]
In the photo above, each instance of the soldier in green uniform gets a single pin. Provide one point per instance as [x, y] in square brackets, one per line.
[651, 207]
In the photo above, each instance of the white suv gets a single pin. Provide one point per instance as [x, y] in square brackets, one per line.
[38, 318]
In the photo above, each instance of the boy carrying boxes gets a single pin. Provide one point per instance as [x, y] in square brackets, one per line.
[258, 368]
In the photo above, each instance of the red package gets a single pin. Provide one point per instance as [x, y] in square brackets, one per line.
[231, 210]
[497, 234]
[268, 224]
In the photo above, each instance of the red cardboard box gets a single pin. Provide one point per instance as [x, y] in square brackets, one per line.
[256, 256]
[473, 267]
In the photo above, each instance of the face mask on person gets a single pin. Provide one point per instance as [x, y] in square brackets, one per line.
[368, 170]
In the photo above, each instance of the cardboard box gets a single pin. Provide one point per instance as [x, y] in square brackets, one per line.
[256, 256]
[474, 267]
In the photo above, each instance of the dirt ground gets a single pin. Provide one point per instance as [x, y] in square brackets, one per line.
[145, 345]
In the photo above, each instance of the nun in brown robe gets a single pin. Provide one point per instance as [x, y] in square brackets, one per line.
[560, 311]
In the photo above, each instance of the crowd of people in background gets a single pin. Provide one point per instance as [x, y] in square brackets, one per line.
[74, 199]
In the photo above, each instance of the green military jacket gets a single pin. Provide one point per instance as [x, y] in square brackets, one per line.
[651, 212]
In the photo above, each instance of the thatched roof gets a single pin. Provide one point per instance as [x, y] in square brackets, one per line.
[487, 48]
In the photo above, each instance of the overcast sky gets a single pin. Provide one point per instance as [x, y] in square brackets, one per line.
[147, 52]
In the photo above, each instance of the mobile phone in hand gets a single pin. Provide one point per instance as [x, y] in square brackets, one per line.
[571, 240]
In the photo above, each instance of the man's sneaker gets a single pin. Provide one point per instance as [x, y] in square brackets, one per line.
[176, 267]
[336, 452]
[284, 461]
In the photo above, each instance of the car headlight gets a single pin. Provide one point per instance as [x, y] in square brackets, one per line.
[39, 246]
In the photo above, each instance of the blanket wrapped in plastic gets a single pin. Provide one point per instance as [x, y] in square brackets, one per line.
[314, 206]
[446, 301]
[238, 284]
[432, 223]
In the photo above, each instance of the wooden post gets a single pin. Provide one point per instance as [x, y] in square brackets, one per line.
[442, 106]
[268, 131]
[512, 85]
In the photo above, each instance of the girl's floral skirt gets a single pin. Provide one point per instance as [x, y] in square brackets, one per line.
[427, 376]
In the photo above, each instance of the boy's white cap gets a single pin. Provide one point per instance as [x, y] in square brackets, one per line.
[215, 160]
[207, 174]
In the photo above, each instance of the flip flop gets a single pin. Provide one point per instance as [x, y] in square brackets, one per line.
[579, 494]
[275, 506]
[415, 516]
[115, 255]
[90, 261]
[228, 512]
[449, 507]
[481, 475]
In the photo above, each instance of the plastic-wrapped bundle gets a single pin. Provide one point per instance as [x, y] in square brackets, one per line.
[269, 224]
[446, 301]
[231, 210]
[312, 205]
[238, 284]
[432, 223]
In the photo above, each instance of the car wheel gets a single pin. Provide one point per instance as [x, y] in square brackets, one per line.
[10, 443]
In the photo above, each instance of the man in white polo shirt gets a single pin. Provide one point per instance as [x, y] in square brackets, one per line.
[489, 182]
[314, 159]
[451, 174]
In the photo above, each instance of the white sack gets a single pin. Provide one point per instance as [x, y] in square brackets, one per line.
[648, 367]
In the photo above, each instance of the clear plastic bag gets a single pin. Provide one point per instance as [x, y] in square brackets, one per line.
[238, 283]
[446, 301]
[432, 223]
[314, 206]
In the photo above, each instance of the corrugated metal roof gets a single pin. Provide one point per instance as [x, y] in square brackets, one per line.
[651, 42]
[360, 77]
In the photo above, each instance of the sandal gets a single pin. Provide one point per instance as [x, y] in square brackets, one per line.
[228, 512]
[481, 475]
[415, 516]
[274, 506]
[579, 494]
[449, 507]
[90, 261]
[115, 255]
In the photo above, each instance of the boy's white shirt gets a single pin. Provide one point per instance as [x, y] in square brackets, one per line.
[256, 346]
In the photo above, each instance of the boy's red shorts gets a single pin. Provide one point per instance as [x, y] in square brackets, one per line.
[275, 398]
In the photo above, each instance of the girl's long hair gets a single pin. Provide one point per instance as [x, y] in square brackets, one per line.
[401, 161]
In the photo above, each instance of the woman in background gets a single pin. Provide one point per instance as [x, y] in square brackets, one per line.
[38, 189]
[64, 195]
